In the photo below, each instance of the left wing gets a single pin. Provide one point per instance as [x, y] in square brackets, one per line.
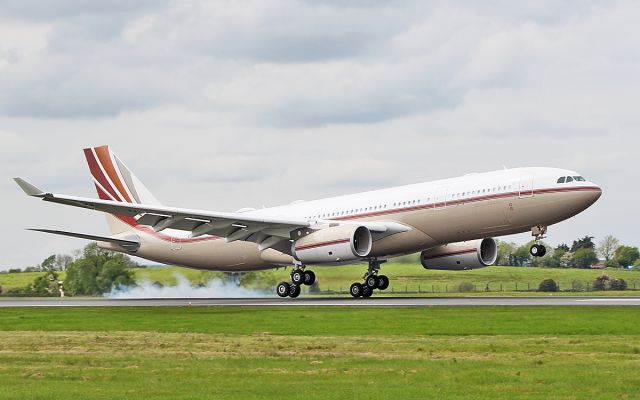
[266, 232]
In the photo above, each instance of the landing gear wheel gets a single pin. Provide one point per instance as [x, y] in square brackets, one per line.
[297, 276]
[283, 289]
[309, 278]
[371, 281]
[294, 290]
[383, 282]
[356, 289]
[367, 292]
[538, 250]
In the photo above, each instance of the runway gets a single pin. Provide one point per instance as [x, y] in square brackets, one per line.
[327, 301]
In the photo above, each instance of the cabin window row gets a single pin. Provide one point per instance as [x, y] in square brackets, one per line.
[409, 202]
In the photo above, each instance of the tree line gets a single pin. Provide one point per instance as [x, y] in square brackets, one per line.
[93, 272]
[583, 253]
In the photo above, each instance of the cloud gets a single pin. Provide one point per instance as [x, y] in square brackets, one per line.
[221, 105]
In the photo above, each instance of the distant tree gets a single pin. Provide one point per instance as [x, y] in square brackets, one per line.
[62, 261]
[618, 284]
[584, 243]
[35, 268]
[521, 256]
[607, 247]
[626, 255]
[49, 263]
[97, 271]
[548, 285]
[14, 270]
[505, 253]
[566, 260]
[564, 247]
[602, 282]
[584, 258]
[112, 274]
[44, 284]
[611, 264]
[258, 279]
[554, 260]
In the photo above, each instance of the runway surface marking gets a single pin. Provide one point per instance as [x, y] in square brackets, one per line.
[327, 301]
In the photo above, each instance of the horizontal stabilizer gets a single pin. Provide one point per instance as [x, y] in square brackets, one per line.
[29, 188]
[127, 244]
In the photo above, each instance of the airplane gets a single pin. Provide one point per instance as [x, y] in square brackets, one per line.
[451, 222]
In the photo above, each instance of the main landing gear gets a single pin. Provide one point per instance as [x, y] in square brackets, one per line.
[538, 250]
[299, 277]
[371, 281]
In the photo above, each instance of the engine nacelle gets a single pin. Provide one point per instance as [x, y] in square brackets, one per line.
[333, 244]
[460, 256]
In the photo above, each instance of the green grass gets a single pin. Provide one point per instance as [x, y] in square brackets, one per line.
[320, 353]
[327, 320]
[21, 279]
[413, 276]
[403, 277]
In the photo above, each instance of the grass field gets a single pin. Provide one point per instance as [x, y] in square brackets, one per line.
[320, 353]
[403, 277]
[412, 277]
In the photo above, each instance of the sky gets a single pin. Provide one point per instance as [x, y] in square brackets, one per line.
[221, 105]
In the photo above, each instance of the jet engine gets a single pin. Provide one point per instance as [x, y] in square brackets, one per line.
[333, 244]
[460, 256]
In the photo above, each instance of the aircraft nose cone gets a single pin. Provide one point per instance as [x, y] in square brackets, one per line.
[594, 195]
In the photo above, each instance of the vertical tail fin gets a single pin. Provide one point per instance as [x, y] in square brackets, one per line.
[115, 181]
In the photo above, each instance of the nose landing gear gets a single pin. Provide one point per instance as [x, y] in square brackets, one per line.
[538, 249]
[371, 281]
[299, 277]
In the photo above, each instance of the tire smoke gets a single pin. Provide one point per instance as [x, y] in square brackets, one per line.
[215, 288]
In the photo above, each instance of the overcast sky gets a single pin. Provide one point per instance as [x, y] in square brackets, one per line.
[221, 105]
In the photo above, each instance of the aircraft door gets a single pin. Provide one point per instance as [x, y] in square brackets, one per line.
[526, 186]
[440, 199]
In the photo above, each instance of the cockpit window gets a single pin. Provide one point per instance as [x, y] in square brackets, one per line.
[569, 179]
[579, 179]
[561, 180]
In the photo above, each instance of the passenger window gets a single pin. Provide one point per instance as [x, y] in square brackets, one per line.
[561, 180]
[569, 179]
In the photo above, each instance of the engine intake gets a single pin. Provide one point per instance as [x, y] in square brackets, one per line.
[460, 256]
[333, 244]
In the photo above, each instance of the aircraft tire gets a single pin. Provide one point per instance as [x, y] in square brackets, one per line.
[383, 282]
[283, 289]
[309, 278]
[371, 281]
[356, 289]
[297, 276]
[294, 291]
[535, 250]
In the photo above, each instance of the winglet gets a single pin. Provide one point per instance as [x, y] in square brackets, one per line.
[29, 188]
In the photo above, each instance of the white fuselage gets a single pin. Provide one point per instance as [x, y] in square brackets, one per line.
[470, 207]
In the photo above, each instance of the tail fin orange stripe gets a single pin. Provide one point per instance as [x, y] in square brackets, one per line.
[104, 157]
[97, 173]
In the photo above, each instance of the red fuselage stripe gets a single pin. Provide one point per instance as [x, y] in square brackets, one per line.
[332, 242]
[468, 200]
